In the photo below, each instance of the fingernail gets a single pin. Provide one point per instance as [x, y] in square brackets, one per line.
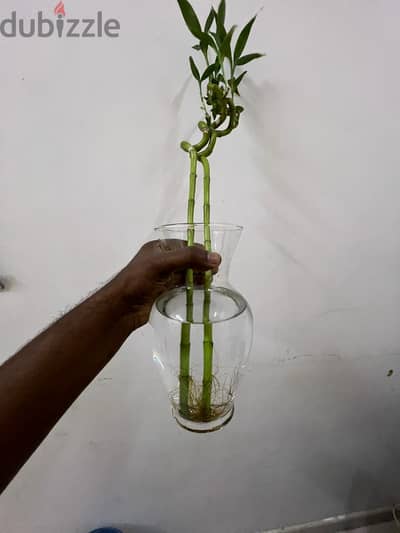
[214, 259]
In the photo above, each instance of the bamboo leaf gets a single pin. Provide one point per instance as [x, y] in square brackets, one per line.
[217, 68]
[221, 12]
[217, 39]
[226, 45]
[246, 59]
[194, 69]
[207, 73]
[221, 31]
[207, 39]
[210, 20]
[243, 38]
[239, 79]
[190, 17]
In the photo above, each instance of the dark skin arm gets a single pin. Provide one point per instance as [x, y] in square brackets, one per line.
[40, 382]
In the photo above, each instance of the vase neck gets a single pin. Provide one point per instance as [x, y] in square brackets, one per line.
[221, 279]
[224, 243]
[224, 239]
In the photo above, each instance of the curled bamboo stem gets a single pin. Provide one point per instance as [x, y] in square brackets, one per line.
[206, 136]
[231, 126]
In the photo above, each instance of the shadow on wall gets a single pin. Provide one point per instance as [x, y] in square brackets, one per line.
[276, 148]
[294, 222]
[140, 529]
[126, 528]
[172, 163]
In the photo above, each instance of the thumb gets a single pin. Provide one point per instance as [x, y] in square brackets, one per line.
[193, 257]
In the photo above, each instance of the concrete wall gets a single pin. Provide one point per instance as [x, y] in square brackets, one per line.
[89, 162]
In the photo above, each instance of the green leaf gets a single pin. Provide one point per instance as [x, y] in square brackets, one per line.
[207, 39]
[221, 31]
[243, 38]
[239, 79]
[207, 73]
[194, 69]
[217, 39]
[217, 68]
[190, 17]
[205, 42]
[246, 59]
[226, 45]
[210, 20]
[221, 13]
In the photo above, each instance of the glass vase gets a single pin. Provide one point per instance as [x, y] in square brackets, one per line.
[203, 332]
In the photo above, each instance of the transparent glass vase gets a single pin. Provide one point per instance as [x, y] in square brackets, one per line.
[203, 333]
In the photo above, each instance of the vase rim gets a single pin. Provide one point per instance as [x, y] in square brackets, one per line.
[214, 226]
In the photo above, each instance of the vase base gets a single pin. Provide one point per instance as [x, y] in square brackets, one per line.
[204, 427]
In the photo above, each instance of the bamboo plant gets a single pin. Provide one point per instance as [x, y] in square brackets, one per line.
[218, 82]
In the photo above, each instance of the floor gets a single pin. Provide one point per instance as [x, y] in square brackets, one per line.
[376, 521]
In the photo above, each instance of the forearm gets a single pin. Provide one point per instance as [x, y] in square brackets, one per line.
[40, 382]
[43, 379]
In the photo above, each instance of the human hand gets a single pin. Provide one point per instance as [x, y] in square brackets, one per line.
[158, 267]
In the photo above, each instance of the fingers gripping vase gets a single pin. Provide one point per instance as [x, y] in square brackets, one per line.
[203, 333]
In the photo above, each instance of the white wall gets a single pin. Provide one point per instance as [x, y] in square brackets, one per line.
[89, 162]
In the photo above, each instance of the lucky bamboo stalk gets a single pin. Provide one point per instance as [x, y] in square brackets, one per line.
[184, 376]
[208, 344]
[218, 106]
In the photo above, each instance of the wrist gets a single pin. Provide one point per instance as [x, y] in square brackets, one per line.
[113, 297]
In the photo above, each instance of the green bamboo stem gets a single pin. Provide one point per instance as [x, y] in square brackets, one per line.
[231, 126]
[206, 136]
[208, 345]
[184, 372]
[211, 145]
[219, 121]
[200, 152]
